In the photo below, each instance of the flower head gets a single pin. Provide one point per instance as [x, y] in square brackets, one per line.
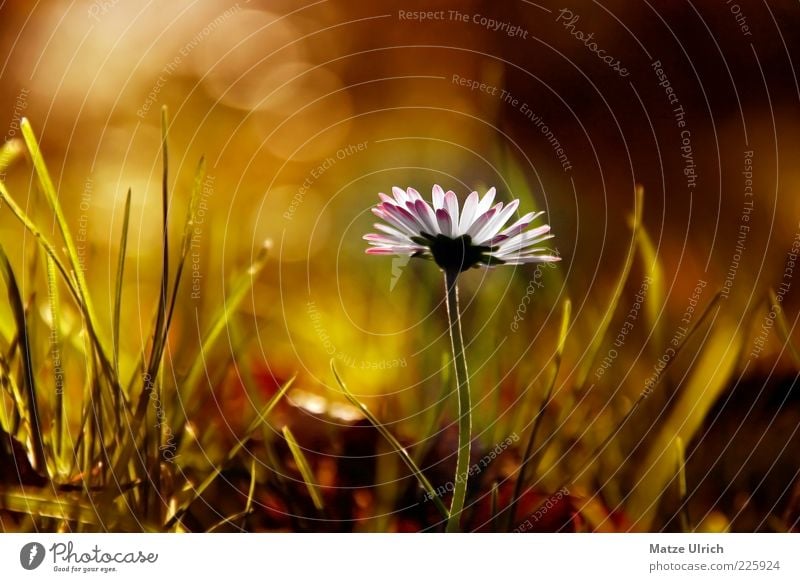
[457, 238]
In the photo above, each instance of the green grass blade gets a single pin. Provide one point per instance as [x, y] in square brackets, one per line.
[18, 310]
[251, 429]
[188, 227]
[72, 284]
[123, 251]
[605, 322]
[656, 294]
[52, 199]
[59, 412]
[304, 468]
[399, 449]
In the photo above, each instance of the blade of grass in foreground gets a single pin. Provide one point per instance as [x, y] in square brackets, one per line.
[399, 449]
[18, 310]
[304, 468]
[254, 425]
[605, 322]
[682, 489]
[529, 460]
[59, 413]
[188, 227]
[655, 294]
[123, 251]
[52, 199]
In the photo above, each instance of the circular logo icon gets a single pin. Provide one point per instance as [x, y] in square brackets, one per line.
[31, 555]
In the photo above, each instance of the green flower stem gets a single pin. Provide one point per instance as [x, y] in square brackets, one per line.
[464, 405]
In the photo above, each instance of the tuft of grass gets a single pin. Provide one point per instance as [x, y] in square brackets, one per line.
[30, 406]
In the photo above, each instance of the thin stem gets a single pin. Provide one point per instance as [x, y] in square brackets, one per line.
[464, 405]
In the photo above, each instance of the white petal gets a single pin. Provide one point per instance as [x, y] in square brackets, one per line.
[525, 220]
[426, 216]
[392, 231]
[399, 195]
[438, 197]
[486, 201]
[451, 205]
[525, 236]
[413, 195]
[483, 220]
[400, 217]
[468, 213]
[515, 247]
[495, 224]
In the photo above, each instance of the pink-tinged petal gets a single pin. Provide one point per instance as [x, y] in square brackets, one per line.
[526, 236]
[481, 221]
[495, 224]
[399, 195]
[385, 239]
[409, 216]
[521, 243]
[391, 250]
[391, 231]
[413, 195]
[445, 224]
[451, 205]
[533, 259]
[486, 201]
[438, 197]
[392, 215]
[385, 198]
[523, 222]
[468, 213]
[426, 216]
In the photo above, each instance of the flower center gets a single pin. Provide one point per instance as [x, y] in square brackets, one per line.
[455, 254]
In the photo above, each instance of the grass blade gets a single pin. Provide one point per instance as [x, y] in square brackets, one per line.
[682, 489]
[656, 295]
[188, 227]
[605, 322]
[59, 411]
[123, 251]
[399, 449]
[304, 468]
[15, 301]
[52, 199]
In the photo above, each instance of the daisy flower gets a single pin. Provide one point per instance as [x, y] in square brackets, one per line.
[457, 239]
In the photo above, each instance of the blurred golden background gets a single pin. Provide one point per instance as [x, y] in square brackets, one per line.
[305, 112]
